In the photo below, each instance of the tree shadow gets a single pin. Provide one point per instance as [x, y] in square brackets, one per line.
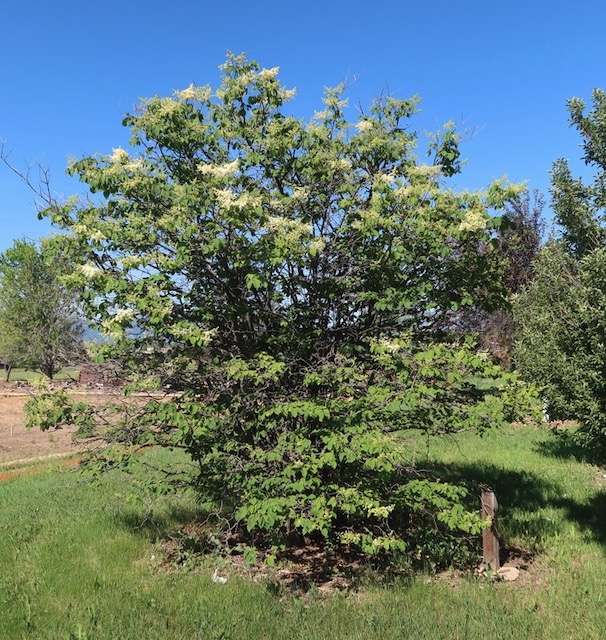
[190, 537]
[526, 522]
[525, 499]
[590, 516]
[158, 524]
[565, 446]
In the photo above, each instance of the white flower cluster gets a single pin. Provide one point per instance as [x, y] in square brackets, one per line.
[134, 164]
[269, 74]
[384, 178]
[317, 246]
[89, 270]
[166, 309]
[98, 236]
[425, 170]
[227, 199]
[279, 224]
[202, 94]
[241, 83]
[368, 218]
[128, 262]
[364, 125]
[187, 94]
[248, 200]
[288, 94]
[389, 346]
[123, 315]
[404, 192]
[111, 329]
[194, 333]
[473, 221]
[301, 194]
[119, 156]
[340, 164]
[219, 171]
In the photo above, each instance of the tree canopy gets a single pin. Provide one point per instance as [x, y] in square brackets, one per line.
[40, 328]
[579, 207]
[294, 284]
[560, 315]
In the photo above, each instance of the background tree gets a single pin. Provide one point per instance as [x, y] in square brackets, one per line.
[560, 315]
[517, 242]
[548, 326]
[521, 241]
[295, 282]
[578, 207]
[39, 325]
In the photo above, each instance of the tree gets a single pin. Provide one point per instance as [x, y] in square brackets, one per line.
[548, 327]
[561, 335]
[579, 207]
[560, 314]
[521, 241]
[518, 243]
[293, 284]
[39, 325]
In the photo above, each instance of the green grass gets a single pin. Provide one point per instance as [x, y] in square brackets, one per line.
[67, 373]
[76, 564]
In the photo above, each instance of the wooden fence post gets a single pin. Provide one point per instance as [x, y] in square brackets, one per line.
[490, 539]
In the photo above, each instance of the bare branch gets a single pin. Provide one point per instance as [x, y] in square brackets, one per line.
[35, 176]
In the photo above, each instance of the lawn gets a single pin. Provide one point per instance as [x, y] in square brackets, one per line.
[83, 560]
[26, 375]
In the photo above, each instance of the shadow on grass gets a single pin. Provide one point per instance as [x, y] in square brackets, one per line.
[534, 509]
[565, 445]
[589, 516]
[525, 500]
[189, 537]
[526, 503]
[157, 525]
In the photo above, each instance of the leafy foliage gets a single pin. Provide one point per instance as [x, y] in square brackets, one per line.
[517, 240]
[579, 207]
[521, 241]
[548, 324]
[560, 315]
[294, 285]
[39, 325]
[562, 335]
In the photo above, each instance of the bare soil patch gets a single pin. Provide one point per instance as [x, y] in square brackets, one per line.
[18, 443]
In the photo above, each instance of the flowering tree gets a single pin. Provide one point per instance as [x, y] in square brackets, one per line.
[293, 282]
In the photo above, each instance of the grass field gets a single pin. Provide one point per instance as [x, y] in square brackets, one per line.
[68, 373]
[82, 561]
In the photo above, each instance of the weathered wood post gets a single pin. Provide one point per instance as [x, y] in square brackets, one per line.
[490, 539]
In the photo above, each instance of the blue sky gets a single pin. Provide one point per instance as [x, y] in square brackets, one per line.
[70, 71]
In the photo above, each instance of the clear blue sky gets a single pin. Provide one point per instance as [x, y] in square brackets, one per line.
[71, 69]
